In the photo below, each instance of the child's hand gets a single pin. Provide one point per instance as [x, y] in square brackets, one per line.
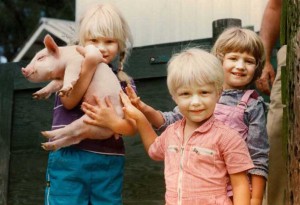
[91, 54]
[134, 99]
[129, 110]
[102, 114]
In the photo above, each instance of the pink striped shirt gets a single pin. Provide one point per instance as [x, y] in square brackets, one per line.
[197, 172]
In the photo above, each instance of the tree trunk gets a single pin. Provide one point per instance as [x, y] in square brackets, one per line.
[292, 112]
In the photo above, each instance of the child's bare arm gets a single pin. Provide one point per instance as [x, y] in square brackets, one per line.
[241, 190]
[92, 57]
[153, 116]
[103, 114]
[145, 129]
[258, 189]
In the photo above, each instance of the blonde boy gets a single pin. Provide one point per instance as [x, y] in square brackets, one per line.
[200, 153]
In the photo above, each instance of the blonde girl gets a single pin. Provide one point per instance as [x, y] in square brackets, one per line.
[91, 172]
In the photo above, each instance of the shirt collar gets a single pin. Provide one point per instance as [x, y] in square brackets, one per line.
[202, 129]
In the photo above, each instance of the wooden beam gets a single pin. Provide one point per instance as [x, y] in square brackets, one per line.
[6, 103]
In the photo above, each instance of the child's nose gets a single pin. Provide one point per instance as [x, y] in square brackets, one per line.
[240, 63]
[101, 47]
[195, 100]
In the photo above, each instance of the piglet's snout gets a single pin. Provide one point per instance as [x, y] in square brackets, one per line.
[27, 72]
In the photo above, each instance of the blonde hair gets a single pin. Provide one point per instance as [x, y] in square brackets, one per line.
[105, 20]
[237, 39]
[192, 66]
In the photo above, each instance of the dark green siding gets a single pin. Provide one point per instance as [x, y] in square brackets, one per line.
[150, 61]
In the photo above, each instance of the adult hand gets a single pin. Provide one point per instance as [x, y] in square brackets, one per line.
[266, 80]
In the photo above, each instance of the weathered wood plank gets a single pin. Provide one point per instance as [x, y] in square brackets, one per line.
[6, 101]
[28, 160]
[291, 36]
[144, 178]
[141, 64]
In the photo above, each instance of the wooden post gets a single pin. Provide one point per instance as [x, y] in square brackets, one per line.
[221, 24]
[6, 102]
[290, 35]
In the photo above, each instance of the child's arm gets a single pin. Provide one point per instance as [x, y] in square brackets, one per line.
[241, 190]
[92, 57]
[104, 115]
[153, 116]
[258, 189]
[258, 146]
[145, 129]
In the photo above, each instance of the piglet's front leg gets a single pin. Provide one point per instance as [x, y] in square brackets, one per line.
[70, 78]
[88, 57]
[52, 87]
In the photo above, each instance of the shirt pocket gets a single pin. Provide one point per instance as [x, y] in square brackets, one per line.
[202, 161]
[172, 159]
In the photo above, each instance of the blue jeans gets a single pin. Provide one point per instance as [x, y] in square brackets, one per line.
[84, 178]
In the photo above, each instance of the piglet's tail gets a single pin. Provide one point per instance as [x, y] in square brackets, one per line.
[123, 76]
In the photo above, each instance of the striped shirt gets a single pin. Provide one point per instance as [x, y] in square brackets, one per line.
[63, 117]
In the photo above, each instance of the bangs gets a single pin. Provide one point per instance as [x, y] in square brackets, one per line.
[100, 28]
[241, 46]
[194, 67]
[196, 74]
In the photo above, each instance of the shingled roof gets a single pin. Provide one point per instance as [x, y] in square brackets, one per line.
[61, 30]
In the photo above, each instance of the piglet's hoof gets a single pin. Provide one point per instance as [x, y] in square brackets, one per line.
[40, 96]
[48, 147]
[65, 91]
[45, 134]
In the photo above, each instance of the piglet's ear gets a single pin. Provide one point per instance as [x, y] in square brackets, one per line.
[51, 45]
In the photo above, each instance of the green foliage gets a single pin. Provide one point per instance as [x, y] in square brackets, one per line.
[19, 19]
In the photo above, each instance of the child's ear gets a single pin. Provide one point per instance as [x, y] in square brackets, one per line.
[220, 94]
[174, 99]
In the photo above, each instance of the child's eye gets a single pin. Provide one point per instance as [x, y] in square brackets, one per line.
[232, 58]
[93, 40]
[183, 93]
[205, 92]
[110, 41]
[251, 62]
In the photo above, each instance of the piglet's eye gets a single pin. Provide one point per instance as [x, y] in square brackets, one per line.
[40, 58]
